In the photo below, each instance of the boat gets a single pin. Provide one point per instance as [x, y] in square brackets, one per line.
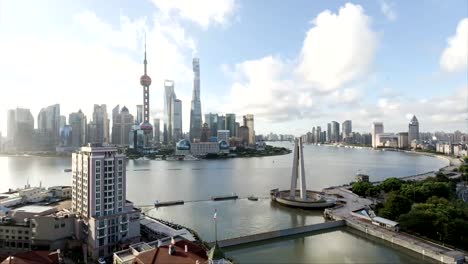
[67, 170]
[252, 198]
[168, 203]
[224, 197]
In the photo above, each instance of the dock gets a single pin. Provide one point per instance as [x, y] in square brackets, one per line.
[224, 197]
[168, 203]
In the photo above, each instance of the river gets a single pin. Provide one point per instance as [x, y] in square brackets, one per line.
[197, 181]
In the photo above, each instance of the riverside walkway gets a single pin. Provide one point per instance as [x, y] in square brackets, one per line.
[424, 247]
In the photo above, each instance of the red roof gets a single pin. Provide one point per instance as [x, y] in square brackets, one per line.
[161, 254]
[33, 257]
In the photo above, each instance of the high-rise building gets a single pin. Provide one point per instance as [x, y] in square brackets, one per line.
[311, 137]
[48, 123]
[206, 133]
[212, 121]
[63, 121]
[347, 129]
[98, 128]
[403, 140]
[231, 124]
[99, 197]
[329, 139]
[249, 122]
[244, 135]
[78, 124]
[145, 82]
[221, 122]
[318, 134]
[157, 130]
[139, 117]
[177, 120]
[20, 128]
[335, 131]
[413, 130]
[377, 128]
[195, 110]
[169, 97]
[122, 123]
[237, 129]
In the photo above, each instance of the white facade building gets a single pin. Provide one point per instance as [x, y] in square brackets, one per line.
[377, 128]
[204, 148]
[99, 197]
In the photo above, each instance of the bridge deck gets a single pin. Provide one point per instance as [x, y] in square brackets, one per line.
[279, 233]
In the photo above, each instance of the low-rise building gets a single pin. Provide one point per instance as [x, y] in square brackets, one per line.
[168, 250]
[204, 148]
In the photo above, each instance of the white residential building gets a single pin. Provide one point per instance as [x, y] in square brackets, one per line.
[99, 197]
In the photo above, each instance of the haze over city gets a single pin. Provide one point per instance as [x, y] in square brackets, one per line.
[293, 66]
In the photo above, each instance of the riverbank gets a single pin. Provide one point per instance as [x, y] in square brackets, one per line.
[353, 202]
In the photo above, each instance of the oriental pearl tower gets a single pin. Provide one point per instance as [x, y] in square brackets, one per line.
[146, 126]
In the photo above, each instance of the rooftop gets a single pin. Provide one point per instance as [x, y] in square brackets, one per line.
[38, 209]
[384, 221]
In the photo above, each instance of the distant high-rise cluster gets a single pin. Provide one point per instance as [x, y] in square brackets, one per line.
[403, 140]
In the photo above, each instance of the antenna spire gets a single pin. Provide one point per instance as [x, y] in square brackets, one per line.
[145, 62]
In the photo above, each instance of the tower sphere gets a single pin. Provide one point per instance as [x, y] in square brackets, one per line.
[145, 80]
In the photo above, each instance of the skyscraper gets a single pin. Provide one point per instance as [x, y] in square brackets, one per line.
[249, 122]
[139, 117]
[177, 120]
[99, 197]
[377, 128]
[231, 124]
[195, 110]
[157, 130]
[347, 129]
[413, 130]
[335, 131]
[98, 128]
[20, 128]
[318, 135]
[169, 97]
[122, 123]
[48, 123]
[221, 122]
[329, 139]
[212, 121]
[63, 121]
[78, 124]
[145, 82]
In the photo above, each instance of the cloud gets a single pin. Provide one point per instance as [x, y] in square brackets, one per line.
[388, 10]
[202, 12]
[338, 49]
[94, 62]
[327, 73]
[455, 56]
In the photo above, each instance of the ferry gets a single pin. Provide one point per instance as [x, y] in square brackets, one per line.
[67, 170]
[252, 198]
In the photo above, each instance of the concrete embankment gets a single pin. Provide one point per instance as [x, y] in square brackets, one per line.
[279, 233]
[426, 248]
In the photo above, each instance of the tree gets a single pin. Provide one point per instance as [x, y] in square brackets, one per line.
[391, 184]
[395, 205]
[361, 188]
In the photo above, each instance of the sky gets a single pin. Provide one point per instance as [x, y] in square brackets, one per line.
[293, 64]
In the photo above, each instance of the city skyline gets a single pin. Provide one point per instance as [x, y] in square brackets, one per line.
[430, 85]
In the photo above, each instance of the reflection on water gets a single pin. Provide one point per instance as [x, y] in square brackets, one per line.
[343, 245]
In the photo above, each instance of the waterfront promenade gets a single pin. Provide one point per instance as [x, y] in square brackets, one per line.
[354, 202]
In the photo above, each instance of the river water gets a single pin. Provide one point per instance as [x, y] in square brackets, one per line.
[196, 181]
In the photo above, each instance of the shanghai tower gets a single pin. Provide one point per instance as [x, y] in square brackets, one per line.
[195, 110]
